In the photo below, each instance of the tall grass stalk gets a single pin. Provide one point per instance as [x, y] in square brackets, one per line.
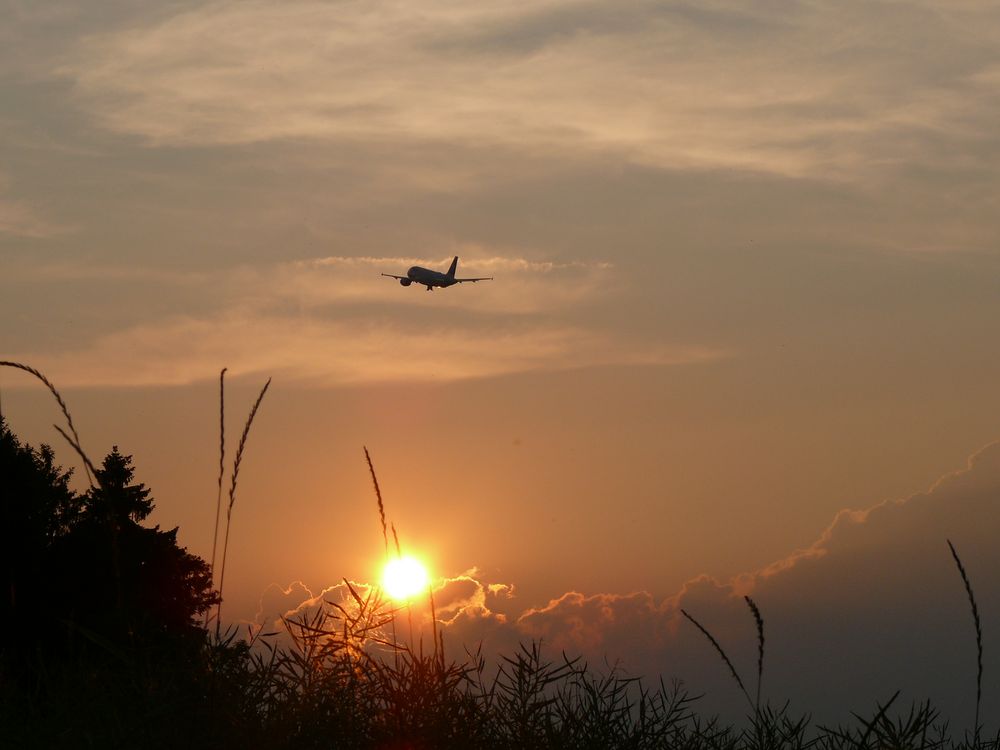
[75, 442]
[232, 497]
[222, 459]
[91, 469]
[759, 622]
[722, 653]
[381, 507]
[979, 634]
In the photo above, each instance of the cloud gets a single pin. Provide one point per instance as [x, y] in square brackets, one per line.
[874, 605]
[335, 321]
[494, 263]
[521, 285]
[456, 594]
[591, 624]
[280, 601]
[460, 604]
[524, 286]
[183, 350]
[802, 88]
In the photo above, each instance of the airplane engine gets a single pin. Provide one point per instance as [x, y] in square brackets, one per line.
[405, 282]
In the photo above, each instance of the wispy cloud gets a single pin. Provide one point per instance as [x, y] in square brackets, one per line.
[818, 89]
[334, 320]
[501, 263]
[185, 350]
[520, 286]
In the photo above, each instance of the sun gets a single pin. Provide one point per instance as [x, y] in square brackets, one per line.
[404, 577]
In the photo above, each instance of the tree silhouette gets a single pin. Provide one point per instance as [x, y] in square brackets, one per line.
[100, 642]
[115, 499]
[122, 579]
[36, 508]
[83, 569]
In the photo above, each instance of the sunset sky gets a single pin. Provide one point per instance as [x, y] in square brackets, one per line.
[747, 280]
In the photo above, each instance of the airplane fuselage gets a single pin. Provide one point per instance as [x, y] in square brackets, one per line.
[428, 278]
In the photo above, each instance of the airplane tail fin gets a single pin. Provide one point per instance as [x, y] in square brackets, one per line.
[454, 265]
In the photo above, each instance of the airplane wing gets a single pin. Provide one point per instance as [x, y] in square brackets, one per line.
[483, 278]
[394, 276]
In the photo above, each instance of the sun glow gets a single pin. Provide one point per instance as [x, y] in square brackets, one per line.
[404, 577]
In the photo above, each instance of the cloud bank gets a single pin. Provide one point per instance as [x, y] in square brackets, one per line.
[874, 605]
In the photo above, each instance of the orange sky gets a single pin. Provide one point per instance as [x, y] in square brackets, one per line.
[745, 259]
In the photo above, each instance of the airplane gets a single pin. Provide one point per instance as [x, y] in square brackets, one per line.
[431, 279]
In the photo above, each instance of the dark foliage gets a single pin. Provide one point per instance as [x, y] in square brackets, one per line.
[93, 601]
[120, 579]
[36, 508]
[84, 564]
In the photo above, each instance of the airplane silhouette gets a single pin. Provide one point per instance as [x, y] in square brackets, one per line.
[431, 279]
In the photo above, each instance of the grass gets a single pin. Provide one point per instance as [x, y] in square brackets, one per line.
[759, 622]
[346, 681]
[979, 634]
[232, 489]
[721, 651]
[222, 464]
[74, 441]
[919, 728]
